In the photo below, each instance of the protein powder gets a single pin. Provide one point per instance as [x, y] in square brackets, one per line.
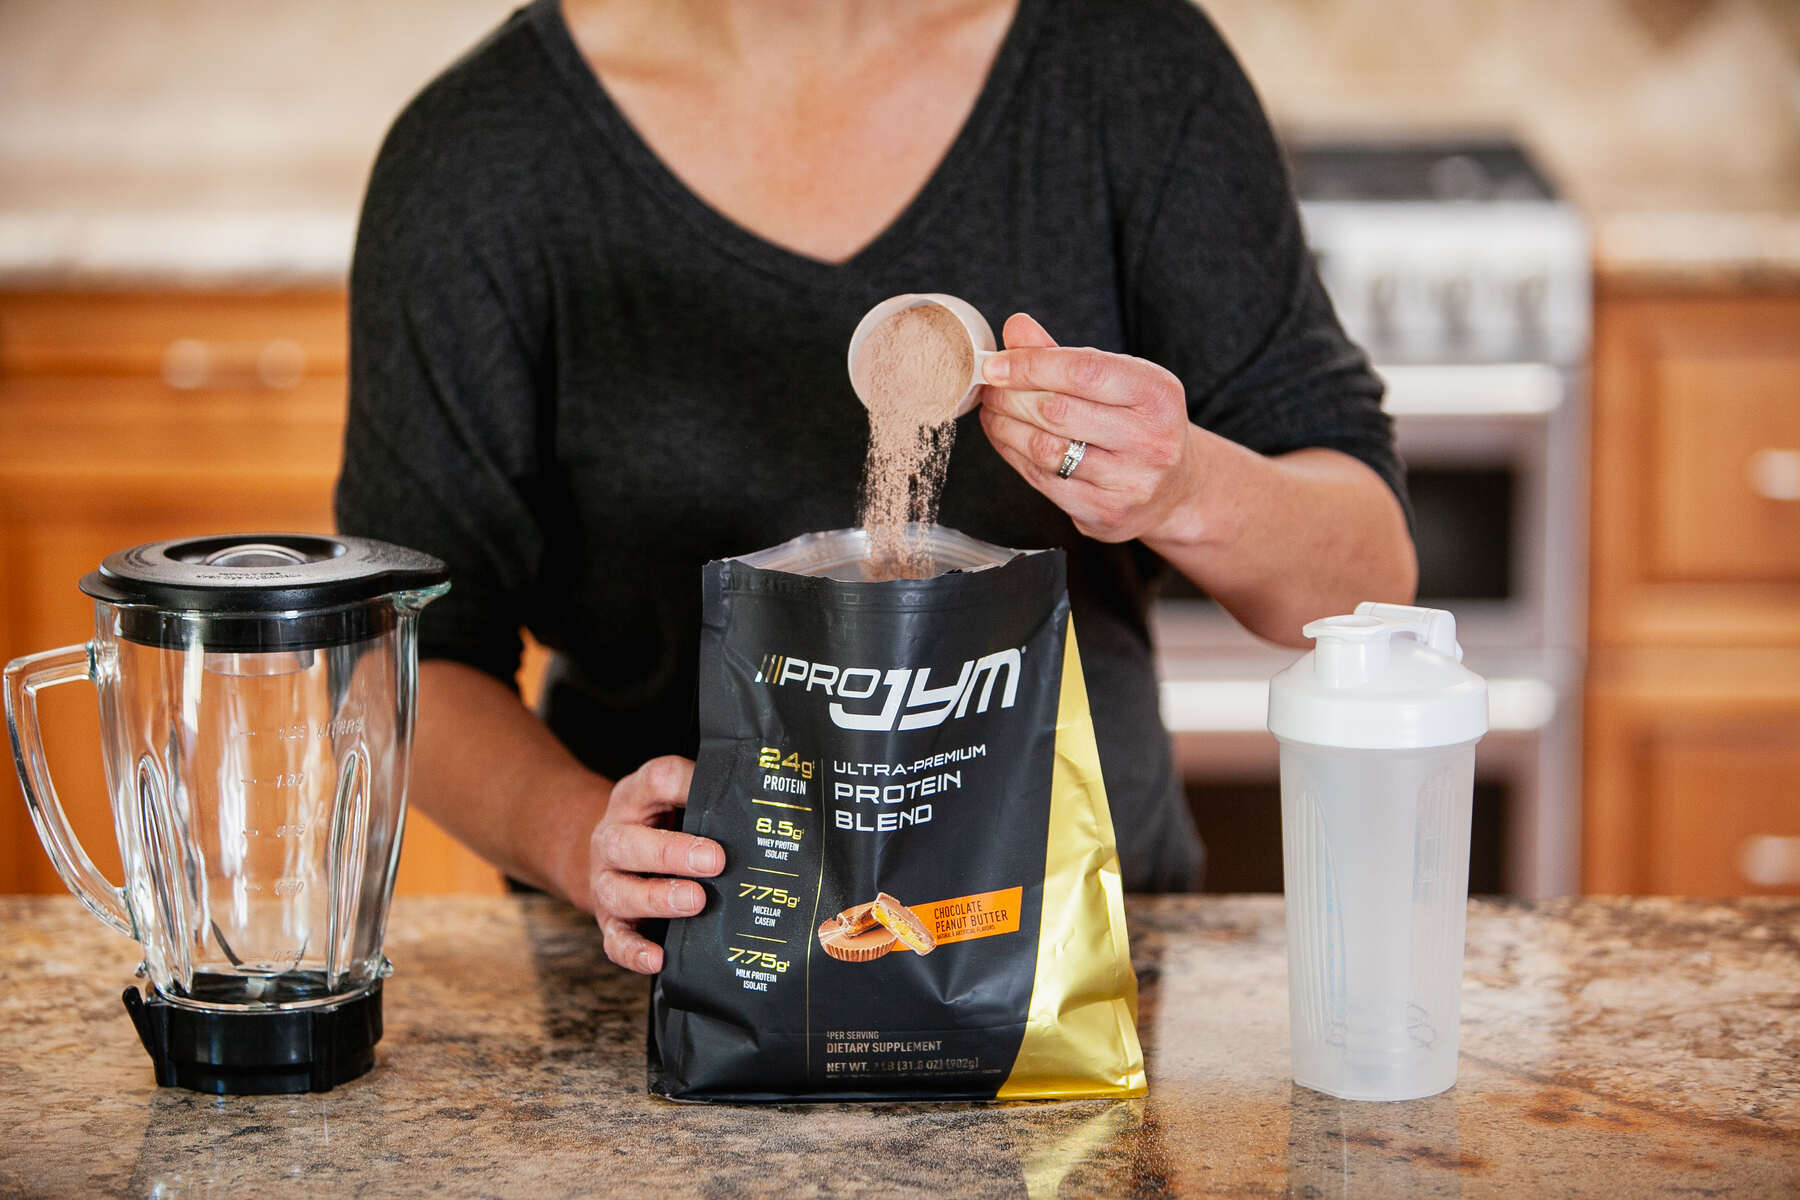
[911, 371]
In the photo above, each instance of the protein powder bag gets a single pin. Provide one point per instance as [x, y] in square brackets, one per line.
[921, 896]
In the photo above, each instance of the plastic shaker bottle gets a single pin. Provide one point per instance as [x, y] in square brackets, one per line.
[1377, 728]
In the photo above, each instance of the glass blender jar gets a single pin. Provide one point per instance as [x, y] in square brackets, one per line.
[256, 714]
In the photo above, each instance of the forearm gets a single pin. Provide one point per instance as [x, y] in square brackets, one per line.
[1280, 541]
[488, 771]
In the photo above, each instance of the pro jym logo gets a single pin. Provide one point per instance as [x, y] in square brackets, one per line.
[911, 701]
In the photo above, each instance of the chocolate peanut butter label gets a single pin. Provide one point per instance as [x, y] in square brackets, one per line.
[965, 918]
[884, 764]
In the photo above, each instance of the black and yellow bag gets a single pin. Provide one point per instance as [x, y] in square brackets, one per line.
[922, 896]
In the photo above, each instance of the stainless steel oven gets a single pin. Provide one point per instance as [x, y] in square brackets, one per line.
[1468, 280]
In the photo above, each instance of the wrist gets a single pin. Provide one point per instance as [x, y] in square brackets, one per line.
[1194, 520]
[577, 802]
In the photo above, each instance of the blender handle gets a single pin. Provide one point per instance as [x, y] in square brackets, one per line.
[25, 677]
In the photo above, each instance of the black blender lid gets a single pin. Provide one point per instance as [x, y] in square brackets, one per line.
[257, 591]
[260, 572]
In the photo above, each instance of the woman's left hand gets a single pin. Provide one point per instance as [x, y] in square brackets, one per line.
[1139, 470]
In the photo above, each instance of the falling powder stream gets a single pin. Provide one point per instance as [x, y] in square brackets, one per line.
[911, 372]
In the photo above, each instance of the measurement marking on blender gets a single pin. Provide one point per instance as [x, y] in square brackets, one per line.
[337, 727]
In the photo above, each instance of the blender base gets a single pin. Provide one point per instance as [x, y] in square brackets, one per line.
[258, 1053]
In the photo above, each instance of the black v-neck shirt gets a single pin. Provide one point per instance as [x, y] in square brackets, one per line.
[576, 382]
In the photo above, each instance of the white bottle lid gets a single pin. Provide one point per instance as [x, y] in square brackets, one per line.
[1388, 678]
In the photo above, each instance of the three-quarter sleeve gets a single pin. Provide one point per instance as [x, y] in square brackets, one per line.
[1223, 291]
[442, 446]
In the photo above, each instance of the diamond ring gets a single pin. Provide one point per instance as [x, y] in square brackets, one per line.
[1071, 459]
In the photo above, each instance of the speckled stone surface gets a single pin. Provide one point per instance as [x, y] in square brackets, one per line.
[1694, 249]
[1632, 1048]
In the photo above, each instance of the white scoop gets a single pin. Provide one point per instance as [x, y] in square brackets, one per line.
[981, 336]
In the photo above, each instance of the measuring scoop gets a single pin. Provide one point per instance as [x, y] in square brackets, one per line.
[981, 337]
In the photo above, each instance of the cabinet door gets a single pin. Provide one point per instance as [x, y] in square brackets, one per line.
[54, 530]
[195, 341]
[1693, 770]
[1696, 442]
[131, 418]
[1725, 808]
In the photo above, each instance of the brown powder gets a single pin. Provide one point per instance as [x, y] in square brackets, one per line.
[911, 372]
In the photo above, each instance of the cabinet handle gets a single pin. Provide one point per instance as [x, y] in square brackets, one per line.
[1769, 861]
[1775, 474]
[190, 364]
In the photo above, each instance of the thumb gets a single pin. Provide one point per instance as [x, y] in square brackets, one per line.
[1022, 331]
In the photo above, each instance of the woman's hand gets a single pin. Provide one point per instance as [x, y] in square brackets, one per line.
[630, 859]
[1140, 466]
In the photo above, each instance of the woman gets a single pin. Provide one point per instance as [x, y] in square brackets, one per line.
[606, 272]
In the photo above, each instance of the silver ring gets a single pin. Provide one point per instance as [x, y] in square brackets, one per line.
[1071, 459]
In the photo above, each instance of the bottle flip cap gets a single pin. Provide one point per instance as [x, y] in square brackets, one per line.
[1389, 677]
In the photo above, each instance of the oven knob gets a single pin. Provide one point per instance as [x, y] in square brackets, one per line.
[1531, 297]
[1384, 300]
[1454, 298]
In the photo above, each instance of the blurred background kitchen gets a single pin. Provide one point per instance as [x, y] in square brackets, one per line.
[1567, 230]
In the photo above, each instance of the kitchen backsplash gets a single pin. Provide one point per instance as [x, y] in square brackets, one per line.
[1633, 103]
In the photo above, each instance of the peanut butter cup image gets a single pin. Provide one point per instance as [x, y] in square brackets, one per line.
[858, 918]
[854, 936]
[904, 924]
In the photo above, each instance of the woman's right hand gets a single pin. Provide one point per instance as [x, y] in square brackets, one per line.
[630, 860]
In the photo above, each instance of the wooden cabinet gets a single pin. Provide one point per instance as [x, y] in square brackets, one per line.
[1694, 771]
[126, 418]
[1693, 720]
[1696, 507]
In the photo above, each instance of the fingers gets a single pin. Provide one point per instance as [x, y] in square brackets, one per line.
[1096, 375]
[1074, 495]
[630, 861]
[1022, 329]
[1108, 497]
[1032, 361]
[1131, 413]
[657, 787]
[622, 846]
[1122, 453]
[1065, 418]
[629, 948]
[1036, 452]
[634, 897]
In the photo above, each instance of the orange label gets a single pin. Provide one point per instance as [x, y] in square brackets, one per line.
[965, 918]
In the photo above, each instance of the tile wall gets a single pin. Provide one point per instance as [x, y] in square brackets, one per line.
[1634, 103]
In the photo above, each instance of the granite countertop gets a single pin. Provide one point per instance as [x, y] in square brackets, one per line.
[288, 243]
[1641, 1048]
[297, 231]
[226, 229]
[1698, 248]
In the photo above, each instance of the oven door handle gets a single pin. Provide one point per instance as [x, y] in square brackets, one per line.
[1515, 705]
[1476, 390]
